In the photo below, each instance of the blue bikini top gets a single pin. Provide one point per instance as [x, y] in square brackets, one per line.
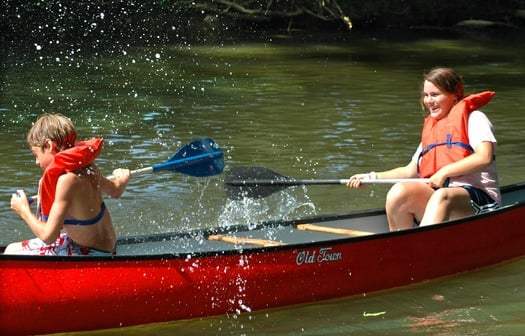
[83, 222]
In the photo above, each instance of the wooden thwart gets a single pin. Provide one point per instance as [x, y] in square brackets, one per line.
[243, 240]
[347, 232]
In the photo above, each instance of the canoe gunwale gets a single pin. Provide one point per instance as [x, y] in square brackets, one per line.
[192, 234]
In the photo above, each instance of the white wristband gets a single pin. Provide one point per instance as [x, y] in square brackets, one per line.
[372, 175]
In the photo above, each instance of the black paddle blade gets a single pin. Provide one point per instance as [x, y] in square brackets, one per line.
[254, 182]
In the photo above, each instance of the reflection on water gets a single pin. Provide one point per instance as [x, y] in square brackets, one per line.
[304, 107]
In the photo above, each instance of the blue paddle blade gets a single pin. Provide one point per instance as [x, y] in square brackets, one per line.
[199, 158]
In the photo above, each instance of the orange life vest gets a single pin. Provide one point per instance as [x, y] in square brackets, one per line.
[445, 141]
[69, 160]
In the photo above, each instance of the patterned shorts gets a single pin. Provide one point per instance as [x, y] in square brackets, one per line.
[480, 200]
[63, 246]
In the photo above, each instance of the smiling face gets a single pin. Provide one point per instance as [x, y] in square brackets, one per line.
[442, 88]
[437, 101]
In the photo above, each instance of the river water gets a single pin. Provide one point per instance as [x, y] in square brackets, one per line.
[305, 106]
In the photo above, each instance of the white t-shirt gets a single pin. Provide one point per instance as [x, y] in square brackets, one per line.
[480, 129]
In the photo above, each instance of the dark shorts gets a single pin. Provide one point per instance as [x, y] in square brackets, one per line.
[481, 201]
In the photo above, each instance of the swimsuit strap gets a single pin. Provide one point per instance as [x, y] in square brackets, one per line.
[83, 222]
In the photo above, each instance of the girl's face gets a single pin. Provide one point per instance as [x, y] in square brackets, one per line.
[44, 156]
[438, 102]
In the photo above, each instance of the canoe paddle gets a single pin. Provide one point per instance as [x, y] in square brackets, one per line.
[199, 158]
[259, 182]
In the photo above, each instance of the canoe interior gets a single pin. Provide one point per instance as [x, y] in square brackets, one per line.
[286, 232]
[280, 233]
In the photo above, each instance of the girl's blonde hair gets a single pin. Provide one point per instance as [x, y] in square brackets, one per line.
[55, 127]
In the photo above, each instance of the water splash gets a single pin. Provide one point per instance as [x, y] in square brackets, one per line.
[284, 205]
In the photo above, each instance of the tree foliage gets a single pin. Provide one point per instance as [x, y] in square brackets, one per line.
[152, 21]
[384, 14]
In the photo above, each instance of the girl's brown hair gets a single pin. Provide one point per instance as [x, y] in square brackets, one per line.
[446, 79]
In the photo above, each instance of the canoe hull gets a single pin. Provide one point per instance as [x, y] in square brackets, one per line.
[73, 294]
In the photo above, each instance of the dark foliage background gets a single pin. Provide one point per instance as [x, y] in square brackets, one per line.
[157, 21]
[409, 13]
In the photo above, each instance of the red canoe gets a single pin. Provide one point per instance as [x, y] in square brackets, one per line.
[245, 268]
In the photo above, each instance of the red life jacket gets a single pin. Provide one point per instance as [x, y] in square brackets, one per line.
[445, 141]
[69, 160]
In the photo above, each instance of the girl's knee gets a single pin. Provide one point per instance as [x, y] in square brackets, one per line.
[408, 195]
[396, 193]
[441, 196]
[450, 198]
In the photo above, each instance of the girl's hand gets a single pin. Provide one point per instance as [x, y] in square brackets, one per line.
[437, 180]
[120, 179]
[19, 202]
[355, 180]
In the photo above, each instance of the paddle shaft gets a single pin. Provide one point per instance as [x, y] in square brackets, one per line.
[258, 182]
[168, 164]
[267, 182]
[136, 172]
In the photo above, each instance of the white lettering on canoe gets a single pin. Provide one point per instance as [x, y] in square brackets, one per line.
[324, 254]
